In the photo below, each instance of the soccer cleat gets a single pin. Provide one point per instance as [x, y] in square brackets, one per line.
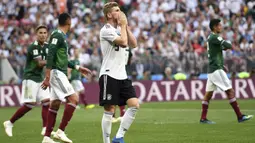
[60, 135]
[245, 118]
[44, 130]
[90, 106]
[114, 120]
[78, 107]
[118, 140]
[48, 140]
[8, 128]
[119, 119]
[206, 121]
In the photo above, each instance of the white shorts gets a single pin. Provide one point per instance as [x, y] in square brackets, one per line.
[32, 92]
[218, 79]
[77, 85]
[60, 85]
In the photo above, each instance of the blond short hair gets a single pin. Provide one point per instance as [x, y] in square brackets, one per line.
[108, 7]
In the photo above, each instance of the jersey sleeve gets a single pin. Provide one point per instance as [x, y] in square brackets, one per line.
[54, 43]
[109, 34]
[220, 41]
[71, 64]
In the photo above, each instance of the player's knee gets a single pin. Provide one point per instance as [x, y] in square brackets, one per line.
[208, 96]
[74, 99]
[55, 105]
[133, 102]
[109, 108]
[230, 93]
[45, 102]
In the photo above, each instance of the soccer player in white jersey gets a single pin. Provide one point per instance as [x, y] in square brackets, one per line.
[115, 87]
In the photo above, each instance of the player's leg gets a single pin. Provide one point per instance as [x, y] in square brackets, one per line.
[51, 119]
[28, 100]
[129, 95]
[107, 122]
[122, 112]
[109, 97]
[221, 80]
[44, 114]
[64, 90]
[233, 102]
[205, 106]
[70, 106]
[81, 89]
[52, 115]
[44, 98]
[210, 87]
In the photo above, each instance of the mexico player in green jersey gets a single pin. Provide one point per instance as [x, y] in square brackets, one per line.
[33, 77]
[75, 79]
[56, 78]
[216, 74]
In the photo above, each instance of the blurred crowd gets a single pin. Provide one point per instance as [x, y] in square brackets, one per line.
[171, 34]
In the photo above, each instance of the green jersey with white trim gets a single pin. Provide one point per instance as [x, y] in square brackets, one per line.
[32, 71]
[75, 74]
[215, 45]
[58, 52]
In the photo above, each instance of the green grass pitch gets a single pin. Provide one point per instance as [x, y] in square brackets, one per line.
[166, 122]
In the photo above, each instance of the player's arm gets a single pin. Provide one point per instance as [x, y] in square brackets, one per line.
[132, 43]
[35, 54]
[50, 57]
[226, 45]
[223, 43]
[40, 62]
[122, 40]
[83, 70]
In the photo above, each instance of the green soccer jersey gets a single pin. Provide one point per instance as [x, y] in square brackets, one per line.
[32, 71]
[75, 74]
[215, 45]
[58, 52]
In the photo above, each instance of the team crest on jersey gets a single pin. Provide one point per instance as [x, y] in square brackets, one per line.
[109, 96]
[118, 32]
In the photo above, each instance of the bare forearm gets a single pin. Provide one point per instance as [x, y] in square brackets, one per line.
[132, 43]
[124, 36]
[47, 74]
[42, 63]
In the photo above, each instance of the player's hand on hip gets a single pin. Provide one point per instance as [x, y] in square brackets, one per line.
[45, 84]
[85, 71]
[122, 20]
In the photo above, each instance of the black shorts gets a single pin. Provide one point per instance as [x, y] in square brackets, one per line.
[115, 92]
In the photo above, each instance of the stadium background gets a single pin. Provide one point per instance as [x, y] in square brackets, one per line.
[171, 41]
[171, 33]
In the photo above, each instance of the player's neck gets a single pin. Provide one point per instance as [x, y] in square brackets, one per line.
[63, 29]
[40, 43]
[113, 24]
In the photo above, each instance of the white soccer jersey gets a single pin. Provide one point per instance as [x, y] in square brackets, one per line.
[114, 57]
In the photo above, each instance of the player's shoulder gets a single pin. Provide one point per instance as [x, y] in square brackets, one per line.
[107, 28]
[57, 33]
[213, 37]
[33, 45]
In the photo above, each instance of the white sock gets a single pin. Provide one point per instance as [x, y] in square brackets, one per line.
[126, 121]
[107, 126]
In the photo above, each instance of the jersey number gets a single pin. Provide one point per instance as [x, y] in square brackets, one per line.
[208, 49]
[116, 47]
